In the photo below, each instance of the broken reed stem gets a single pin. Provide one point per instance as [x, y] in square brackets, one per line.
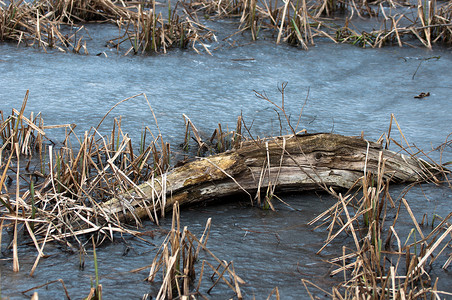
[98, 288]
[48, 283]
[15, 253]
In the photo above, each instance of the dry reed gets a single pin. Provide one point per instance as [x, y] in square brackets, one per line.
[149, 31]
[59, 199]
[301, 22]
[220, 140]
[177, 257]
[34, 24]
[379, 266]
[48, 24]
[59, 23]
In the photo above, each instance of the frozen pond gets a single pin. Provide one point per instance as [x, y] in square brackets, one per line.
[348, 90]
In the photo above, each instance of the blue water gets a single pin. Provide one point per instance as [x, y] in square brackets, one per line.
[349, 90]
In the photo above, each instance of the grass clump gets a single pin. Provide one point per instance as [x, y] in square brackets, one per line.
[50, 24]
[55, 191]
[177, 257]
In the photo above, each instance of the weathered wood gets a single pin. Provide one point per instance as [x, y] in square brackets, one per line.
[291, 163]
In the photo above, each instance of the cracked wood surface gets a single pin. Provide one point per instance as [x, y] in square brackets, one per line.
[289, 163]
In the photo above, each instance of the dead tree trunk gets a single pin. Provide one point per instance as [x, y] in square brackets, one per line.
[288, 163]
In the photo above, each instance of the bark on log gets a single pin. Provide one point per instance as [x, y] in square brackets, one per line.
[291, 163]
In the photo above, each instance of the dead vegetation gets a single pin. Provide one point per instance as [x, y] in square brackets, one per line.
[54, 193]
[178, 260]
[58, 199]
[145, 28]
[302, 22]
[384, 263]
[59, 25]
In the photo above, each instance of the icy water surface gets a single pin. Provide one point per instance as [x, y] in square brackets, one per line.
[348, 90]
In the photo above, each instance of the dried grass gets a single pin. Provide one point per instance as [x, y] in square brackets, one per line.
[148, 31]
[58, 23]
[176, 259]
[299, 23]
[219, 142]
[34, 25]
[382, 267]
[60, 199]
[48, 24]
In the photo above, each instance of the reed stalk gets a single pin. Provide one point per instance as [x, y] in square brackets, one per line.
[297, 22]
[98, 288]
[63, 202]
[370, 268]
[177, 256]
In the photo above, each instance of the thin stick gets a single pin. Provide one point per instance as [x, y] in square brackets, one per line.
[286, 4]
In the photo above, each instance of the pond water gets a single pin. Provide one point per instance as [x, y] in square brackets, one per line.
[349, 90]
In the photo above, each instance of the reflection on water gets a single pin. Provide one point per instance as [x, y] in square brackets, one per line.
[349, 90]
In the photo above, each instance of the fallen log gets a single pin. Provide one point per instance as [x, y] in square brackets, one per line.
[287, 163]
